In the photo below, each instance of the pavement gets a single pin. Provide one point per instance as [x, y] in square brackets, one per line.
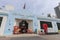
[32, 37]
[51, 37]
[23, 37]
[28, 38]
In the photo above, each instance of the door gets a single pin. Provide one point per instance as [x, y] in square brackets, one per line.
[23, 25]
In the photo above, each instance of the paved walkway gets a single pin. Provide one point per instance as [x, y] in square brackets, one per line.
[51, 37]
[23, 37]
[32, 37]
[28, 38]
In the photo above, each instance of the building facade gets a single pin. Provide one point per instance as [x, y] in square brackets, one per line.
[9, 19]
[57, 11]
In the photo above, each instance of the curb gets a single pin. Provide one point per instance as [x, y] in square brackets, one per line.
[23, 35]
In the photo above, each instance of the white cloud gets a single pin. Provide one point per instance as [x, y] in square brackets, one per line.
[35, 6]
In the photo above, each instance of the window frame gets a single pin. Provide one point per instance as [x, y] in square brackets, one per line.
[49, 26]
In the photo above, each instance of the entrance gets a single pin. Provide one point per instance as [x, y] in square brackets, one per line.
[23, 25]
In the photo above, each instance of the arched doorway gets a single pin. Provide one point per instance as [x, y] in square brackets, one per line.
[23, 25]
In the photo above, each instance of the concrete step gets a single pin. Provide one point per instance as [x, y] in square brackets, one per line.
[22, 35]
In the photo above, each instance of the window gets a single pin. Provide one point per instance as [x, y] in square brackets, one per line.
[45, 22]
[58, 25]
[1, 20]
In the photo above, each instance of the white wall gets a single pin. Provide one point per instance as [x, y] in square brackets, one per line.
[3, 25]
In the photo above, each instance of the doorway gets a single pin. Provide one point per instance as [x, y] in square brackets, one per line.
[23, 25]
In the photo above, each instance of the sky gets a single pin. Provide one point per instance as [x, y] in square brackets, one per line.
[36, 7]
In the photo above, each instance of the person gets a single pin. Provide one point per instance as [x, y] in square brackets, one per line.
[45, 26]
